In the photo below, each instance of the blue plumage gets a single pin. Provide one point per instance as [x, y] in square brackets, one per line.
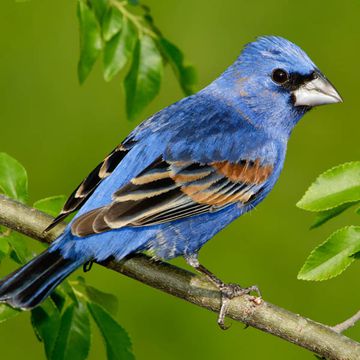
[187, 172]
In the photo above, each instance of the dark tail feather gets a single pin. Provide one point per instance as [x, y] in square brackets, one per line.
[28, 286]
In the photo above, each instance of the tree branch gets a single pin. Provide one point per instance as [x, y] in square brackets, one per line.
[347, 324]
[272, 319]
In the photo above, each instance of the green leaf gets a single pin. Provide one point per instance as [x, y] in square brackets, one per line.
[117, 341]
[99, 7]
[69, 291]
[333, 256]
[13, 178]
[142, 83]
[58, 296]
[324, 216]
[4, 247]
[185, 74]
[112, 23]
[51, 205]
[334, 187]
[108, 301]
[7, 312]
[90, 40]
[45, 320]
[73, 341]
[19, 251]
[119, 49]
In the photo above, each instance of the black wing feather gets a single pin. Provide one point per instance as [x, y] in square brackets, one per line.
[84, 190]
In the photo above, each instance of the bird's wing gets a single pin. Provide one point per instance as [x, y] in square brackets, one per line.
[173, 190]
[92, 181]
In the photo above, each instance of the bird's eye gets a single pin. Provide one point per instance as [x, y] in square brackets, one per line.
[280, 76]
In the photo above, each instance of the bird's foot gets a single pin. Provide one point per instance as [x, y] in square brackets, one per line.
[230, 291]
[227, 291]
[88, 265]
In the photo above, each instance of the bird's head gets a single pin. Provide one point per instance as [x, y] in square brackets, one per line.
[274, 82]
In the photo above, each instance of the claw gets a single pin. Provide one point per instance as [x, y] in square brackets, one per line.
[222, 313]
[255, 289]
[230, 291]
[88, 265]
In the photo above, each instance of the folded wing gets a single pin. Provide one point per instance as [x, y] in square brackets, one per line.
[169, 191]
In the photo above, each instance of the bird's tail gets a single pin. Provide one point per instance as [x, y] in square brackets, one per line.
[31, 284]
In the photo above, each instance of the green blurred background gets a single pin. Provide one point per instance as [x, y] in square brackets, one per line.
[59, 131]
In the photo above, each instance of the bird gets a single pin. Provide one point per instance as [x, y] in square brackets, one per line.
[184, 173]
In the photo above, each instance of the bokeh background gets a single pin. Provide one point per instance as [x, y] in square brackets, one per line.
[59, 130]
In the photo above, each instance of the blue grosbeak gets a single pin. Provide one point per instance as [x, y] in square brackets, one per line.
[186, 172]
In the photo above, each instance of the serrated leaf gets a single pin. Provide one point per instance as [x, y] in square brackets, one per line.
[333, 256]
[185, 74]
[142, 83]
[19, 251]
[13, 178]
[117, 341]
[324, 216]
[334, 187]
[112, 23]
[51, 205]
[7, 312]
[118, 50]
[73, 341]
[45, 320]
[90, 40]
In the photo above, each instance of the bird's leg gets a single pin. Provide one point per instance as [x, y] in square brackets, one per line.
[228, 291]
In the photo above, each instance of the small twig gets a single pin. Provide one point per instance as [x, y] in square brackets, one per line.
[347, 324]
[135, 19]
[317, 338]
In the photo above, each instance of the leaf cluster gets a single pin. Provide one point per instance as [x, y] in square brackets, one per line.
[124, 34]
[129, 43]
[62, 323]
[333, 192]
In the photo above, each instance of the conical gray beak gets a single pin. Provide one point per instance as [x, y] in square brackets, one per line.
[318, 91]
